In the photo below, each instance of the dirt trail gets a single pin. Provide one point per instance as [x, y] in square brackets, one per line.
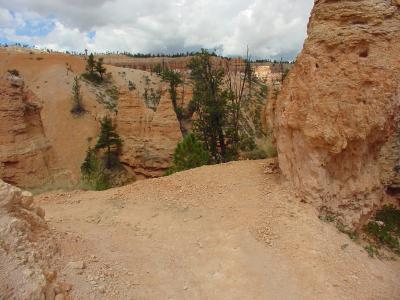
[217, 232]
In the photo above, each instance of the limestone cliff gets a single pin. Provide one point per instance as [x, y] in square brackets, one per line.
[25, 152]
[337, 106]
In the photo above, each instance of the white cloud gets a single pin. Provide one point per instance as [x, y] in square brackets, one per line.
[269, 27]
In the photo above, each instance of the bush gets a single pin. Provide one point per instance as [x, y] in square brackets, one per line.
[189, 154]
[385, 228]
[93, 172]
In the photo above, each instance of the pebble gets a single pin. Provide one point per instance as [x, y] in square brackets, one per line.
[77, 265]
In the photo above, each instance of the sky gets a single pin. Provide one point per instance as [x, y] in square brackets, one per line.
[271, 28]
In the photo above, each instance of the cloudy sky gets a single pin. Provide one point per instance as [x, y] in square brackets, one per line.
[271, 28]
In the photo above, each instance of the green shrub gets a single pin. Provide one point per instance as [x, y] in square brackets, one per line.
[189, 154]
[385, 228]
[93, 172]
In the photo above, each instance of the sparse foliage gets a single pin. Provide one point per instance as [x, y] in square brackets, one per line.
[93, 173]
[95, 70]
[175, 79]
[100, 68]
[77, 107]
[110, 141]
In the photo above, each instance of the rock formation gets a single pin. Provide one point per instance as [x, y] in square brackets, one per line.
[149, 136]
[26, 248]
[24, 150]
[389, 161]
[338, 104]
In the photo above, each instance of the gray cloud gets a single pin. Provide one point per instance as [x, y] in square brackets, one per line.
[270, 27]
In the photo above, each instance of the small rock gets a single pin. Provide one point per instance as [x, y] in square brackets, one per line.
[77, 265]
[102, 289]
[27, 199]
[40, 212]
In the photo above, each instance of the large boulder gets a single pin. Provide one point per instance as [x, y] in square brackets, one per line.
[26, 247]
[338, 105]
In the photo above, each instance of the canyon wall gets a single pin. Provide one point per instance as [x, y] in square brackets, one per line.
[25, 152]
[338, 105]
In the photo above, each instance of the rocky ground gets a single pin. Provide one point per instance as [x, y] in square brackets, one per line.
[231, 231]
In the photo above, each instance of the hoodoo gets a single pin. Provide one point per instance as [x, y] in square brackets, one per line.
[338, 105]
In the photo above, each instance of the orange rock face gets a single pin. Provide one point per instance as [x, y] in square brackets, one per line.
[25, 152]
[337, 106]
[149, 136]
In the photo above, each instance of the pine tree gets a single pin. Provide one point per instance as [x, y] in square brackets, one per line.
[109, 140]
[100, 67]
[189, 154]
[77, 97]
[89, 165]
[90, 64]
[211, 104]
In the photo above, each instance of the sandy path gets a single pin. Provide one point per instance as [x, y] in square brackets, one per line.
[218, 232]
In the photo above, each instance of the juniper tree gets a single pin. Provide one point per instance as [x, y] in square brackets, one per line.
[109, 140]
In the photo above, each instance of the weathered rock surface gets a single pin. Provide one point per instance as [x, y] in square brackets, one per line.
[149, 136]
[389, 161]
[25, 152]
[337, 106]
[26, 248]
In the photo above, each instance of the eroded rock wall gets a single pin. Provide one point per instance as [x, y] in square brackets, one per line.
[150, 136]
[337, 106]
[25, 152]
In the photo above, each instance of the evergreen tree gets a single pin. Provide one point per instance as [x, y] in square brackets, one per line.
[89, 165]
[100, 67]
[90, 64]
[175, 79]
[211, 104]
[77, 97]
[189, 154]
[109, 140]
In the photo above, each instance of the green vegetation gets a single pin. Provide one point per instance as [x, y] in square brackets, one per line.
[151, 97]
[384, 229]
[13, 72]
[346, 230]
[189, 154]
[175, 79]
[212, 107]
[93, 173]
[77, 108]
[101, 168]
[95, 70]
[109, 141]
[372, 250]
[131, 86]
[100, 68]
